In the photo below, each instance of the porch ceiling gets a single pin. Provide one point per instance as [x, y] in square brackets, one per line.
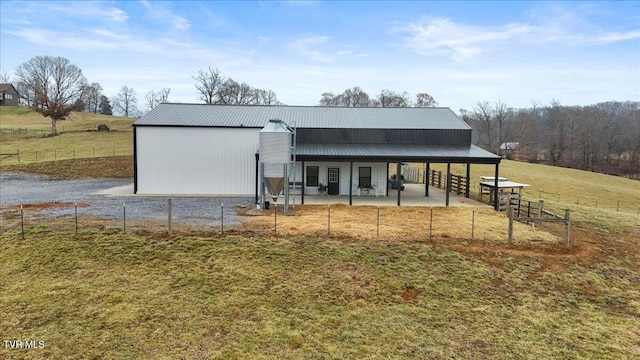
[395, 152]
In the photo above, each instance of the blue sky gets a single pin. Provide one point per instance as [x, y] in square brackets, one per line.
[579, 53]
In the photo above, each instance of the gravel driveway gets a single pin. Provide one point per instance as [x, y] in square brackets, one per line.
[22, 189]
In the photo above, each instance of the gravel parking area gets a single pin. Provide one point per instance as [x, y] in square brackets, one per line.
[27, 189]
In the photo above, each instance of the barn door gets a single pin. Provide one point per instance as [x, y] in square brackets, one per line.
[333, 188]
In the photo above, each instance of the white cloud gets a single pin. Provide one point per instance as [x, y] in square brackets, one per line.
[84, 10]
[162, 12]
[309, 47]
[441, 36]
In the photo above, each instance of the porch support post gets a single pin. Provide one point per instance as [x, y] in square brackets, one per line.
[495, 188]
[399, 180]
[351, 183]
[386, 191]
[304, 184]
[426, 179]
[257, 177]
[466, 193]
[448, 187]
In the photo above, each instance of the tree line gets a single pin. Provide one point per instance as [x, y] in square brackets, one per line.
[604, 137]
[356, 97]
[54, 87]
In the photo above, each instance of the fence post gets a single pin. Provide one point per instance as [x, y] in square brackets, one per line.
[510, 211]
[275, 218]
[430, 223]
[567, 225]
[18, 156]
[618, 206]
[596, 203]
[55, 154]
[329, 220]
[473, 223]
[74, 152]
[114, 150]
[169, 209]
[540, 212]
[36, 155]
[378, 224]
[94, 151]
[222, 219]
[75, 208]
[124, 217]
[22, 221]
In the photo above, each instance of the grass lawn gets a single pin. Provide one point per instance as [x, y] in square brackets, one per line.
[592, 197]
[107, 295]
[78, 138]
[305, 295]
[13, 118]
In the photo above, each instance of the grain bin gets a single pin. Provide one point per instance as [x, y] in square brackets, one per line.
[276, 140]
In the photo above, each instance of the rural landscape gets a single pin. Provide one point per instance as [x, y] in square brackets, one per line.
[303, 293]
[319, 180]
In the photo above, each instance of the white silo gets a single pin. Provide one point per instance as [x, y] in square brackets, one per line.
[276, 141]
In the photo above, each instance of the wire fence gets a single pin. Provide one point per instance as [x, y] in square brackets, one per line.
[338, 221]
[19, 156]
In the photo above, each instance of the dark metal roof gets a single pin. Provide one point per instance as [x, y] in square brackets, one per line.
[206, 115]
[394, 152]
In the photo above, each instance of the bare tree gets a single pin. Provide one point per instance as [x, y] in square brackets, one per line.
[233, 93]
[354, 97]
[558, 136]
[425, 100]
[330, 99]
[209, 84]
[265, 97]
[51, 85]
[4, 77]
[501, 115]
[91, 97]
[483, 116]
[155, 98]
[388, 98]
[125, 101]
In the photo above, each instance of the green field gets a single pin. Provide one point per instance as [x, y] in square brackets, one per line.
[102, 294]
[115, 296]
[24, 132]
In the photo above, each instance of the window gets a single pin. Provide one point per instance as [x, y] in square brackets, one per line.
[8, 96]
[364, 179]
[312, 175]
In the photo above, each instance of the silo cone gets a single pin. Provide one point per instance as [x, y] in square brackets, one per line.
[275, 153]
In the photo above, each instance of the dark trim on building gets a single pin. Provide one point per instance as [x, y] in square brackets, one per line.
[135, 161]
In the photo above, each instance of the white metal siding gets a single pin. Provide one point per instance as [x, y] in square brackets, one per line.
[378, 174]
[196, 161]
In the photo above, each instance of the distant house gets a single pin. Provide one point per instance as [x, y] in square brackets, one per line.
[8, 95]
[508, 149]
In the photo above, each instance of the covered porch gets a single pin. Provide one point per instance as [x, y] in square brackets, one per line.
[341, 163]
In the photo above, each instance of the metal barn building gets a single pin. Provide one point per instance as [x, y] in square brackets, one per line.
[202, 149]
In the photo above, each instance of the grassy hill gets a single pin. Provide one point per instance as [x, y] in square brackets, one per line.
[24, 134]
[307, 295]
